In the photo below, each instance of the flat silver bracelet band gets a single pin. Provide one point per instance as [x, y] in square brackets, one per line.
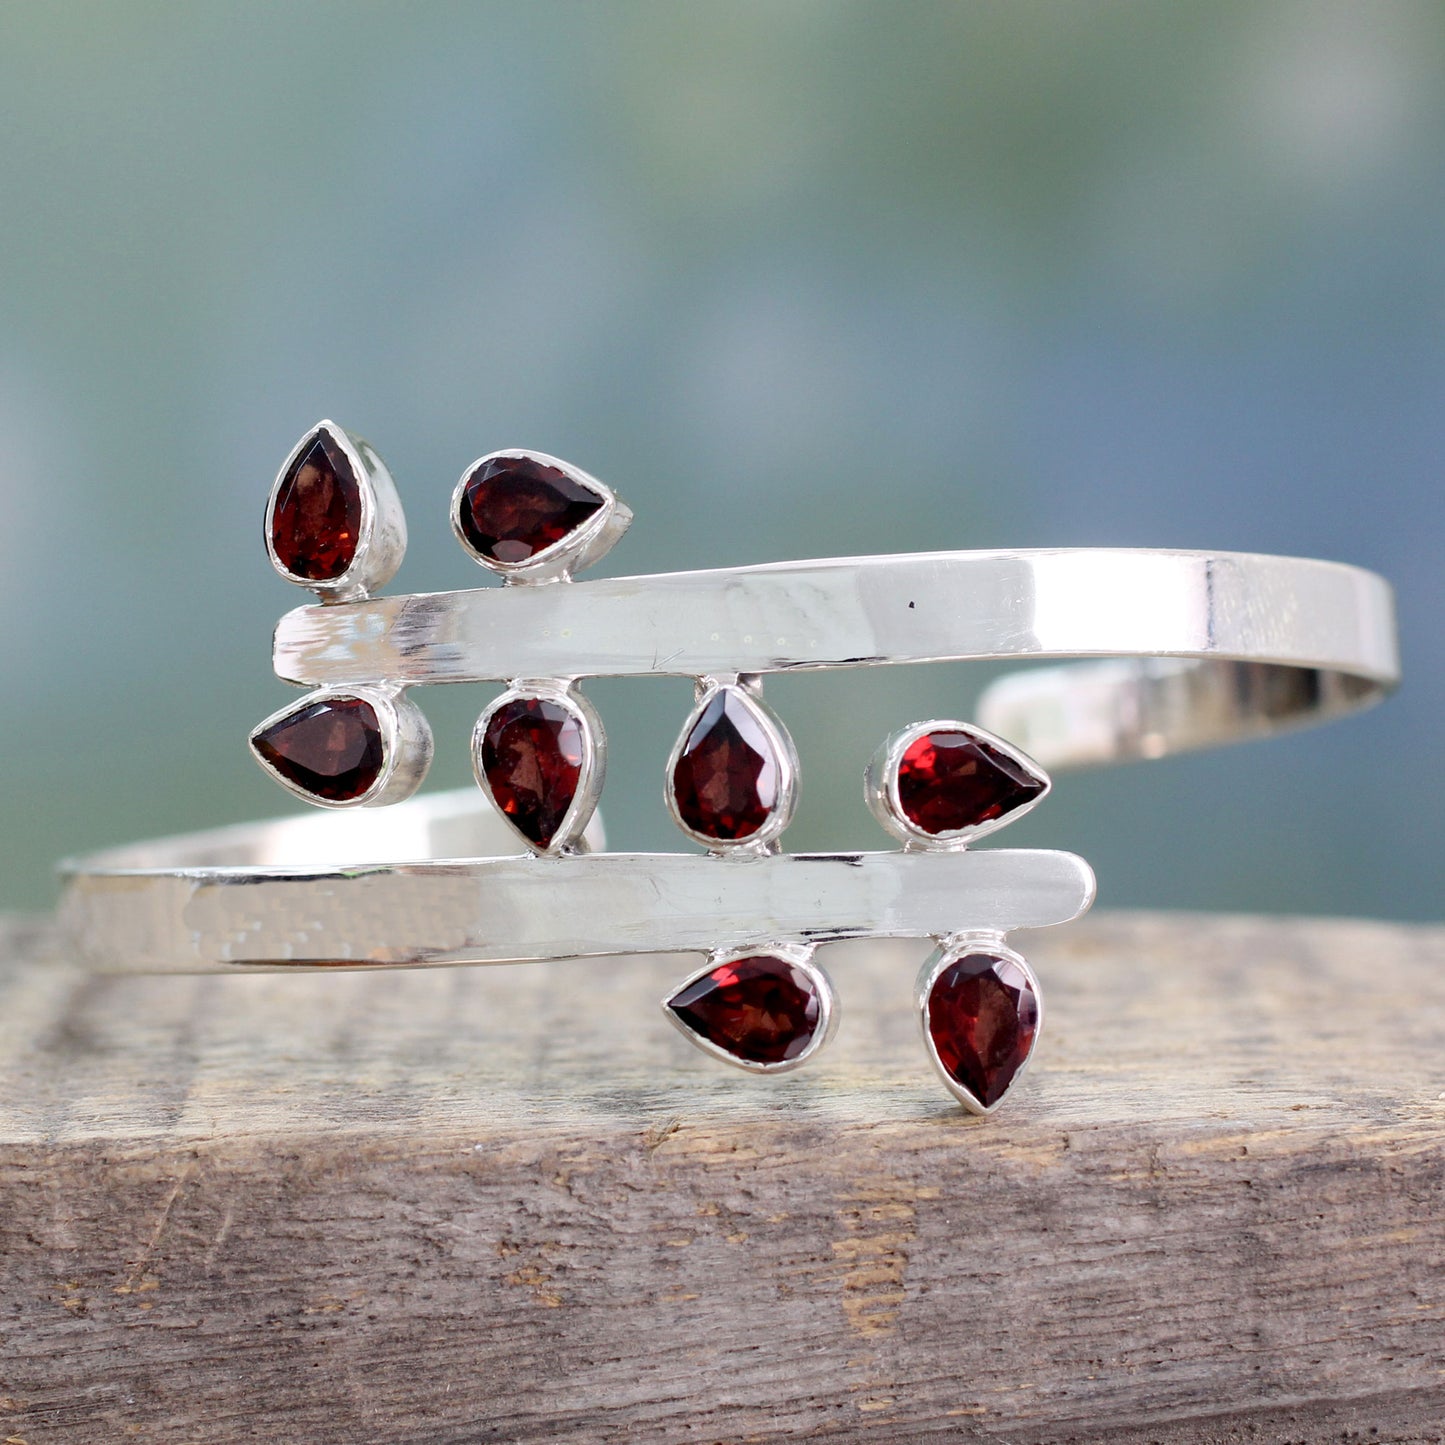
[1201, 648]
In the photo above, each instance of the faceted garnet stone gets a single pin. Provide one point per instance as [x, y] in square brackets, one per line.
[952, 780]
[316, 521]
[983, 1015]
[763, 1009]
[531, 757]
[332, 748]
[727, 780]
[512, 508]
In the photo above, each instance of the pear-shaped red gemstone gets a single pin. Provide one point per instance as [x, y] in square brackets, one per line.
[949, 780]
[331, 748]
[762, 1009]
[316, 518]
[511, 508]
[983, 1017]
[727, 780]
[531, 756]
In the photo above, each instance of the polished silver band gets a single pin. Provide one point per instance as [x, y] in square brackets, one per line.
[1191, 649]
[1201, 648]
[412, 886]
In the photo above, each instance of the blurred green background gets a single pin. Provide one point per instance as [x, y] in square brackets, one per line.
[799, 279]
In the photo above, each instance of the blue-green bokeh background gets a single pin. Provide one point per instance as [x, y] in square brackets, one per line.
[798, 278]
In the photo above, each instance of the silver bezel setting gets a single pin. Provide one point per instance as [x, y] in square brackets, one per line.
[381, 542]
[947, 952]
[800, 955]
[880, 784]
[765, 839]
[406, 745]
[570, 554]
[569, 836]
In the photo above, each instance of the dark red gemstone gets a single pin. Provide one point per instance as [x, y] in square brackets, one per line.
[983, 1016]
[512, 508]
[531, 757]
[727, 780]
[763, 1009]
[331, 749]
[950, 780]
[316, 521]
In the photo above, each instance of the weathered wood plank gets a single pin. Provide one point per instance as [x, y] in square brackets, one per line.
[484, 1205]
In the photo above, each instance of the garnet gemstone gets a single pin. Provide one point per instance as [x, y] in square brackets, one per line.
[727, 780]
[316, 519]
[531, 761]
[949, 780]
[761, 1010]
[331, 748]
[983, 1017]
[512, 508]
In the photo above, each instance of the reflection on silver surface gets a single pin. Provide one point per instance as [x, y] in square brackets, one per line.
[275, 896]
[1257, 642]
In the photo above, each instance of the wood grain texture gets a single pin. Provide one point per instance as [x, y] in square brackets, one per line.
[513, 1205]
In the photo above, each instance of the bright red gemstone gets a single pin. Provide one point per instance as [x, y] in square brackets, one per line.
[331, 749]
[316, 519]
[763, 1009]
[727, 780]
[512, 508]
[983, 1017]
[531, 757]
[949, 780]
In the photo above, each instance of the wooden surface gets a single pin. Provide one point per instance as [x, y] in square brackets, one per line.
[514, 1205]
